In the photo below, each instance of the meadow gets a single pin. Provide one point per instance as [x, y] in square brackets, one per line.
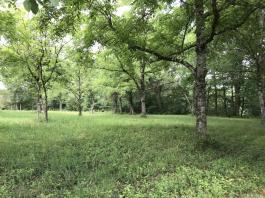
[107, 155]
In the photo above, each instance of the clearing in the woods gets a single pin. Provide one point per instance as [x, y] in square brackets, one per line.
[106, 155]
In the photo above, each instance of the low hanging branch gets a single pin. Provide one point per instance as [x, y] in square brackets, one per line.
[174, 57]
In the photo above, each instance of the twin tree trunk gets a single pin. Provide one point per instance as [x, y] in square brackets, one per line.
[116, 103]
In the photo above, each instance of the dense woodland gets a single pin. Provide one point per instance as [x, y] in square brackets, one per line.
[143, 57]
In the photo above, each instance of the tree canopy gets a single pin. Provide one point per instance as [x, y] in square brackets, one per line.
[174, 57]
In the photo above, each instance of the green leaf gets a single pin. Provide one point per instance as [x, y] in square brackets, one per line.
[31, 5]
[27, 5]
[34, 6]
[55, 2]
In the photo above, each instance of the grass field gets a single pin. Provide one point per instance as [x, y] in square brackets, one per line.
[105, 155]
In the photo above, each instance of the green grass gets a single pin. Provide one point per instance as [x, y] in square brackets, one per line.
[105, 155]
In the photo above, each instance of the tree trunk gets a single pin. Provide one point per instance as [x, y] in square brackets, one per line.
[208, 99]
[115, 102]
[224, 100]
[232, 101]
[143, 106]
[215, 95]
[79, 104]
[200, 86]
[237, 100]
[242, 107]
[60, 105]
[80, 94]
[80, 109]
[120, 105]
[158, 90]
[142, 89]
[92, 106]
[260, 89]
[259, 77]
[189, 103]
[39, 102]
[130, 101]
[194, 99]
[45, 109]
[262, 106]
[200, 70]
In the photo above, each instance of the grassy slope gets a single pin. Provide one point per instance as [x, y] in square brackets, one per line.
[107, 155]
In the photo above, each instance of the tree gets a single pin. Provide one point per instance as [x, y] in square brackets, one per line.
[136, 66]
[37, 51]
[76, 76]
[250, 39]
[206, 19]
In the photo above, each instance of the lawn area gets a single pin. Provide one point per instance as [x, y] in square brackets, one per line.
[106, 155]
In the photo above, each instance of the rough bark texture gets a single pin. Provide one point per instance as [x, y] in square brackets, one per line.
[259, 70]
[200, 94]
[200, 70]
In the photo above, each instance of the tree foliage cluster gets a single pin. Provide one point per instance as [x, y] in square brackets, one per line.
[204, 57]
